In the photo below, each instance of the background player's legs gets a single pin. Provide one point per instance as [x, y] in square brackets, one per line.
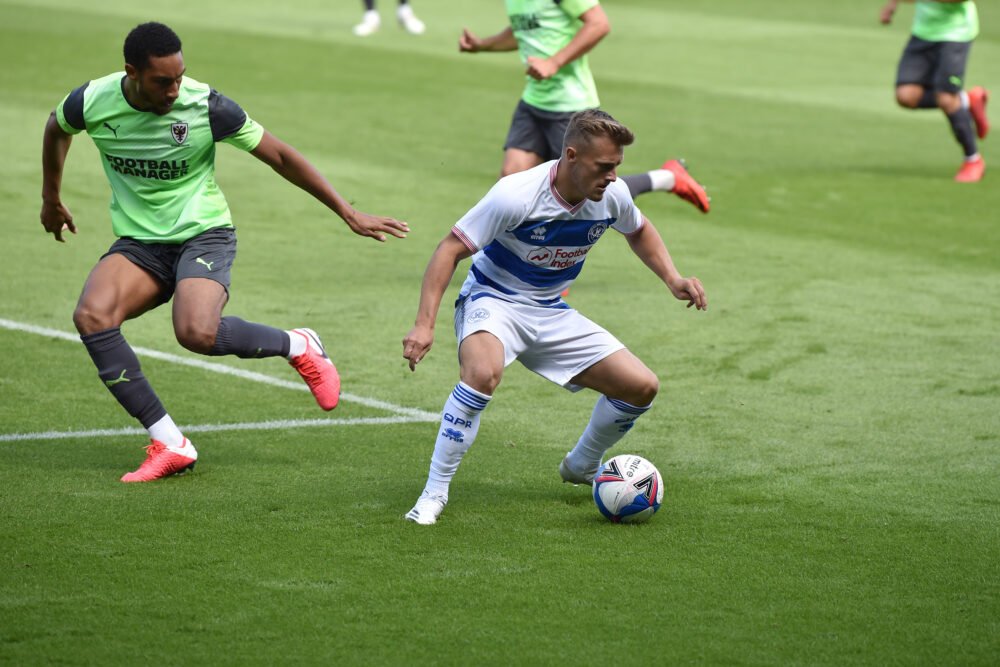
[371, 21]
[915, 96]
[115, 291]
[627, 389]
[481, 358]
[956, 108]
[517, 159]
[671, 177]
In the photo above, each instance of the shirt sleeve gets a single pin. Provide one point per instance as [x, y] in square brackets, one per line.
[69, 113]
[231, 124]
[629, 218]
[576, 8]
[497, 212]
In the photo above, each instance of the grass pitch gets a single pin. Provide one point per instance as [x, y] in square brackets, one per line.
[828, 432]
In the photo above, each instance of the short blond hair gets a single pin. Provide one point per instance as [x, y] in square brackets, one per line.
[589, 123]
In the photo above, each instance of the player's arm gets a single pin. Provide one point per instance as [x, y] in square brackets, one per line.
[297, 170]
[440, 270]
[595, 27]
[502, 41]
[885, 16]
[55, 217]
[648, 245]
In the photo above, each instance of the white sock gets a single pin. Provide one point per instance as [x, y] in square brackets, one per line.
[964, 96]
[371, 16]
[662, 179]
[296, 344]
[404, 11]
[166, 431]
[609, 422]
[459, 426]
[972, 158]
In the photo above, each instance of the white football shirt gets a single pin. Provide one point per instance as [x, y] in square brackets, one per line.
[530, 243]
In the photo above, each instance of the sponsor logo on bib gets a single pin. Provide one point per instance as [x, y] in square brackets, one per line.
[539, 256]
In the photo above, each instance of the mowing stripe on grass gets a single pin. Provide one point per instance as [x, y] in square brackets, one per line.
[275, 425]
[413, 413]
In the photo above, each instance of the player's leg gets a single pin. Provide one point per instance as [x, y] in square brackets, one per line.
[913, 96]
[408, 20]
[203, 272]
[627, 389]
[955, 102]
[116, 290]
[481, 360]
[915, 75]
[370, 21]
[516, 160]
[525, 146]
[672, 177]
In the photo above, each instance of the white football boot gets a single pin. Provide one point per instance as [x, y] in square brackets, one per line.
[370, 22]
[427, 510]
[409, 20]
[573, 477]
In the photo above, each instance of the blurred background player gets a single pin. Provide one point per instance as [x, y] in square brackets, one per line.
[530, 236]
[553, 39]
[156, 130]
[371, 21]
[931, 73]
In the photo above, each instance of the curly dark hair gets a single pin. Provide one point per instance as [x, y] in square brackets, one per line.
[150, 39]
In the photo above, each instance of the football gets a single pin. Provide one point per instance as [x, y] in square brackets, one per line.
[628, 489]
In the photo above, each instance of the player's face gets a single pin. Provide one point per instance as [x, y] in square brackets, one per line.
[159, 84]
[594, 167]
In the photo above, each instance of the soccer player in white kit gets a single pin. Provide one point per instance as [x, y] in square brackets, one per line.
[529, 237]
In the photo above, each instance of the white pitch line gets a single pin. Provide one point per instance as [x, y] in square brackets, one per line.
[414, 413]
[276, 425]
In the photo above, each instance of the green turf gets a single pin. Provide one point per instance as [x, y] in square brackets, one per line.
[828, 432]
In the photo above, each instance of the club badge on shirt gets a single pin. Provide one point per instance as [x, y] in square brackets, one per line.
[179, 131]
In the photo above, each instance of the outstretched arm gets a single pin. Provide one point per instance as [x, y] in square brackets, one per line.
[648, 245]
[502, 41]
[595, 27]
[55, 217]
[297, 170]
[440, 269]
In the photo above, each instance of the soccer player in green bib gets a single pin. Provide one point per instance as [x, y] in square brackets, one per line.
[554, 37]
[156, 130]
[931, 73]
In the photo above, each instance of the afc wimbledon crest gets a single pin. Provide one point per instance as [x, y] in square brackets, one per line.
[179, 131]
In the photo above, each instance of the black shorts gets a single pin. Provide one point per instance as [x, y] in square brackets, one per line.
[536, 130]
[939, 66]
[208, 255]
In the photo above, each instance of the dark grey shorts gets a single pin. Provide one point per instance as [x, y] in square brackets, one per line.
[541, 132]
[939, 66]
[208, 255]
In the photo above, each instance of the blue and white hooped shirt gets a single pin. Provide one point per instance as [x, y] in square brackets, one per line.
[530, 243]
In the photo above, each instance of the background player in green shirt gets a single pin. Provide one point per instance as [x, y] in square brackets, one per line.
[931, 73]
[554, 37]
[156, 131]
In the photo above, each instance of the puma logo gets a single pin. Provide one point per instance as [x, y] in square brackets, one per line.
[207, 264]
[113, 129]
[119, 379]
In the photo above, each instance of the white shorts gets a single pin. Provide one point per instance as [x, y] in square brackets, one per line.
[556, 343]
